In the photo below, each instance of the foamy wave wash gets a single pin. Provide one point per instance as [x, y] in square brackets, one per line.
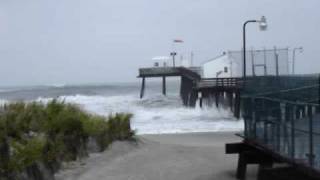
[158, 114]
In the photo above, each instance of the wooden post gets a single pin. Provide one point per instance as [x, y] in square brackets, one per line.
[311, 154]
[142, 88]
[276, 56]
[252, 63]
[200, 99]
[277, 64]
[237, 105]
[183, 87]
[265, 123]
[318, 107]
[217, 98]
[292, 118]
[262, 167]
[286, 121]
[253, 124]
[278, 125]
[242, 166]
[304, 111]
[164, 89]
[230, 100]
[193, 96]
[245, 116]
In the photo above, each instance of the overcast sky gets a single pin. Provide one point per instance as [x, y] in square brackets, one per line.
[101, 41]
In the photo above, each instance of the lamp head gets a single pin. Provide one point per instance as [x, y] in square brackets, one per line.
[263, 23]
[301, 49]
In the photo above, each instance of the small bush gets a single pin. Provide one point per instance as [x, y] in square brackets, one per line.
[119, 126]
[97, 127]
[24, 154]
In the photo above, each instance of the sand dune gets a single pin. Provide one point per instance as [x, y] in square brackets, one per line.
[196, 156]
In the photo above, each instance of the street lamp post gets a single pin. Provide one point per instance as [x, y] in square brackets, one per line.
[263, 26]
[294, 57]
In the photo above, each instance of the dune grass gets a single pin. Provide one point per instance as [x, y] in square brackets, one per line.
[52, 133]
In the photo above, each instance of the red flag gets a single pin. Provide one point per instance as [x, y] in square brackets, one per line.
[178, 41]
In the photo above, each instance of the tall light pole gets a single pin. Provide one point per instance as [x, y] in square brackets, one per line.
[263, 26]
[294, 57]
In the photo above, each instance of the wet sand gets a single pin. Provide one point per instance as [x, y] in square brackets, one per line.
[192, 156]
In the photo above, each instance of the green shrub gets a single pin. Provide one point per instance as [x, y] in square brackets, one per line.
[97, 127]
[119, 126]
[24, 154]
[64, 129]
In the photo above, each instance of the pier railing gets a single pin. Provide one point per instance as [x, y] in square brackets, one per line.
[285, 123]
[220, 82]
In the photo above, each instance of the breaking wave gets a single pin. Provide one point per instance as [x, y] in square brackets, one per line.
[158, 114]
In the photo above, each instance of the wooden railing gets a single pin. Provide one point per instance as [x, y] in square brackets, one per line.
[220, 82]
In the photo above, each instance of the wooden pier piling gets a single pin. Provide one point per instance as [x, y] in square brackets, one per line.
[200, 97]
[164, 88]
[222, 92]
[142, 87]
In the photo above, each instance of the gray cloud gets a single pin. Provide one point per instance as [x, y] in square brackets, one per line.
[82, 41]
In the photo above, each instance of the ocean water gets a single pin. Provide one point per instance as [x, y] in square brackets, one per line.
[154, 114]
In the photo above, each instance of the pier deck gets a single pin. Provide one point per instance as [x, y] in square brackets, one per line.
[193, 73]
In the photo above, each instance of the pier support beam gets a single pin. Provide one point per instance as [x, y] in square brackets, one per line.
[237, 105]
[230, 100]
[142, 88]
[164, 88]
[217, 94]
[200, 99]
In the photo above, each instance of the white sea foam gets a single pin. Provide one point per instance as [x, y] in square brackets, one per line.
[3, 102]
[156, 115]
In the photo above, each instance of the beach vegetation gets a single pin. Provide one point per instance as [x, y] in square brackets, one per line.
[34, 135]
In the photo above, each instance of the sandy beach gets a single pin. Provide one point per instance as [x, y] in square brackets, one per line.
[193, 156]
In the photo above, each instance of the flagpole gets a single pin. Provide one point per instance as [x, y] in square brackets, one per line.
[174, 53]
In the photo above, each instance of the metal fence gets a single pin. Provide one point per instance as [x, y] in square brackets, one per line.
[285, 119]
[261, 62]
